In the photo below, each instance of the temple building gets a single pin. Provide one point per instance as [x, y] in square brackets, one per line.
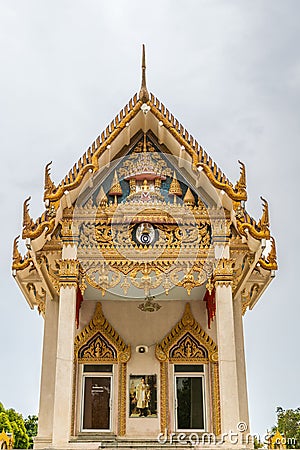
[142, 265]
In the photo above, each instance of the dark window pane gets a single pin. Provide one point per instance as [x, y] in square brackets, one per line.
[97, 368]
[190, 411]
[189, 368]
[96, 412]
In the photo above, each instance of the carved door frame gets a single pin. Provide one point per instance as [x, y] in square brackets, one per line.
[99, 343]
[200, 350]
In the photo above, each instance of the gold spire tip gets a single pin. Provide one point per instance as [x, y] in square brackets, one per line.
[144, 94]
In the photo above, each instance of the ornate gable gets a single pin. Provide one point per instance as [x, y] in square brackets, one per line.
[187, 342]
[99, 342]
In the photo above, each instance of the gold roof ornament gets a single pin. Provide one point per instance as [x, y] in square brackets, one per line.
[27, 220]
[189, 198]
[270, 263]
[20, 262]
[115, 189]
[49, 186]
[175, 188]
[241, 185]
[143, 94]
[101, 198]
[6, 440]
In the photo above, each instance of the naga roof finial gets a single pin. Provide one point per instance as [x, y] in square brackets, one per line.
[144, 94]
[49, 186]
[27, 220]
[264, 221]
[241, 183]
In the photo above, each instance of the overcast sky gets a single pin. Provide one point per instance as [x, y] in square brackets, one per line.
[228, 70]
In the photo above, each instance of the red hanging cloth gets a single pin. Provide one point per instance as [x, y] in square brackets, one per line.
[210, 299]
[79, 300]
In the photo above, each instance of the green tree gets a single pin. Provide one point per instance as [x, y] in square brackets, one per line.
[21, 439]
[12, 422]
[288, 424]
[5, 423]
[31, 425]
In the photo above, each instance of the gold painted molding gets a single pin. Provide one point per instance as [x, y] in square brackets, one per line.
[187, 324]
[99, 324]
[118, 353]
[201, 349]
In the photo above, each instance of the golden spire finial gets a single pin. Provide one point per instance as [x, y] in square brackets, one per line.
[101, 198]
[115, 189]
[144, 94]
[175, 188]
[189, 198]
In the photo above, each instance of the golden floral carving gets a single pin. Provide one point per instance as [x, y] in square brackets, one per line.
[186, 325]
[221, 230]
[188, 349]
[68, 272]
[97, 349]
[69, 231]
[224, 270]
[99, 325]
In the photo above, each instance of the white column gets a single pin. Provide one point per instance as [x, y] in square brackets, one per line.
[240, 361]
[229, 394]
[46, 407]
[65, 347]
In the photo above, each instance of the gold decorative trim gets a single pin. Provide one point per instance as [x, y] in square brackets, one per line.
[164, 401]
[216, 399]
[223, 272]
[185, 325]
[122, 399]
[69, 231]
[205, 352]
[99, 324]
[223, 283]
[68, 272]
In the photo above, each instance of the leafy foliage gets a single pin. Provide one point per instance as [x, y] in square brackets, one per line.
[23, 431]
[288, 424]
[31, 425]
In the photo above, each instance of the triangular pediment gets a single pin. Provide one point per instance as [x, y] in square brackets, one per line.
[144, 172]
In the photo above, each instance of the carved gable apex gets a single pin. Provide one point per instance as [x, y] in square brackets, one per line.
[98, 341]
[187, 341]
